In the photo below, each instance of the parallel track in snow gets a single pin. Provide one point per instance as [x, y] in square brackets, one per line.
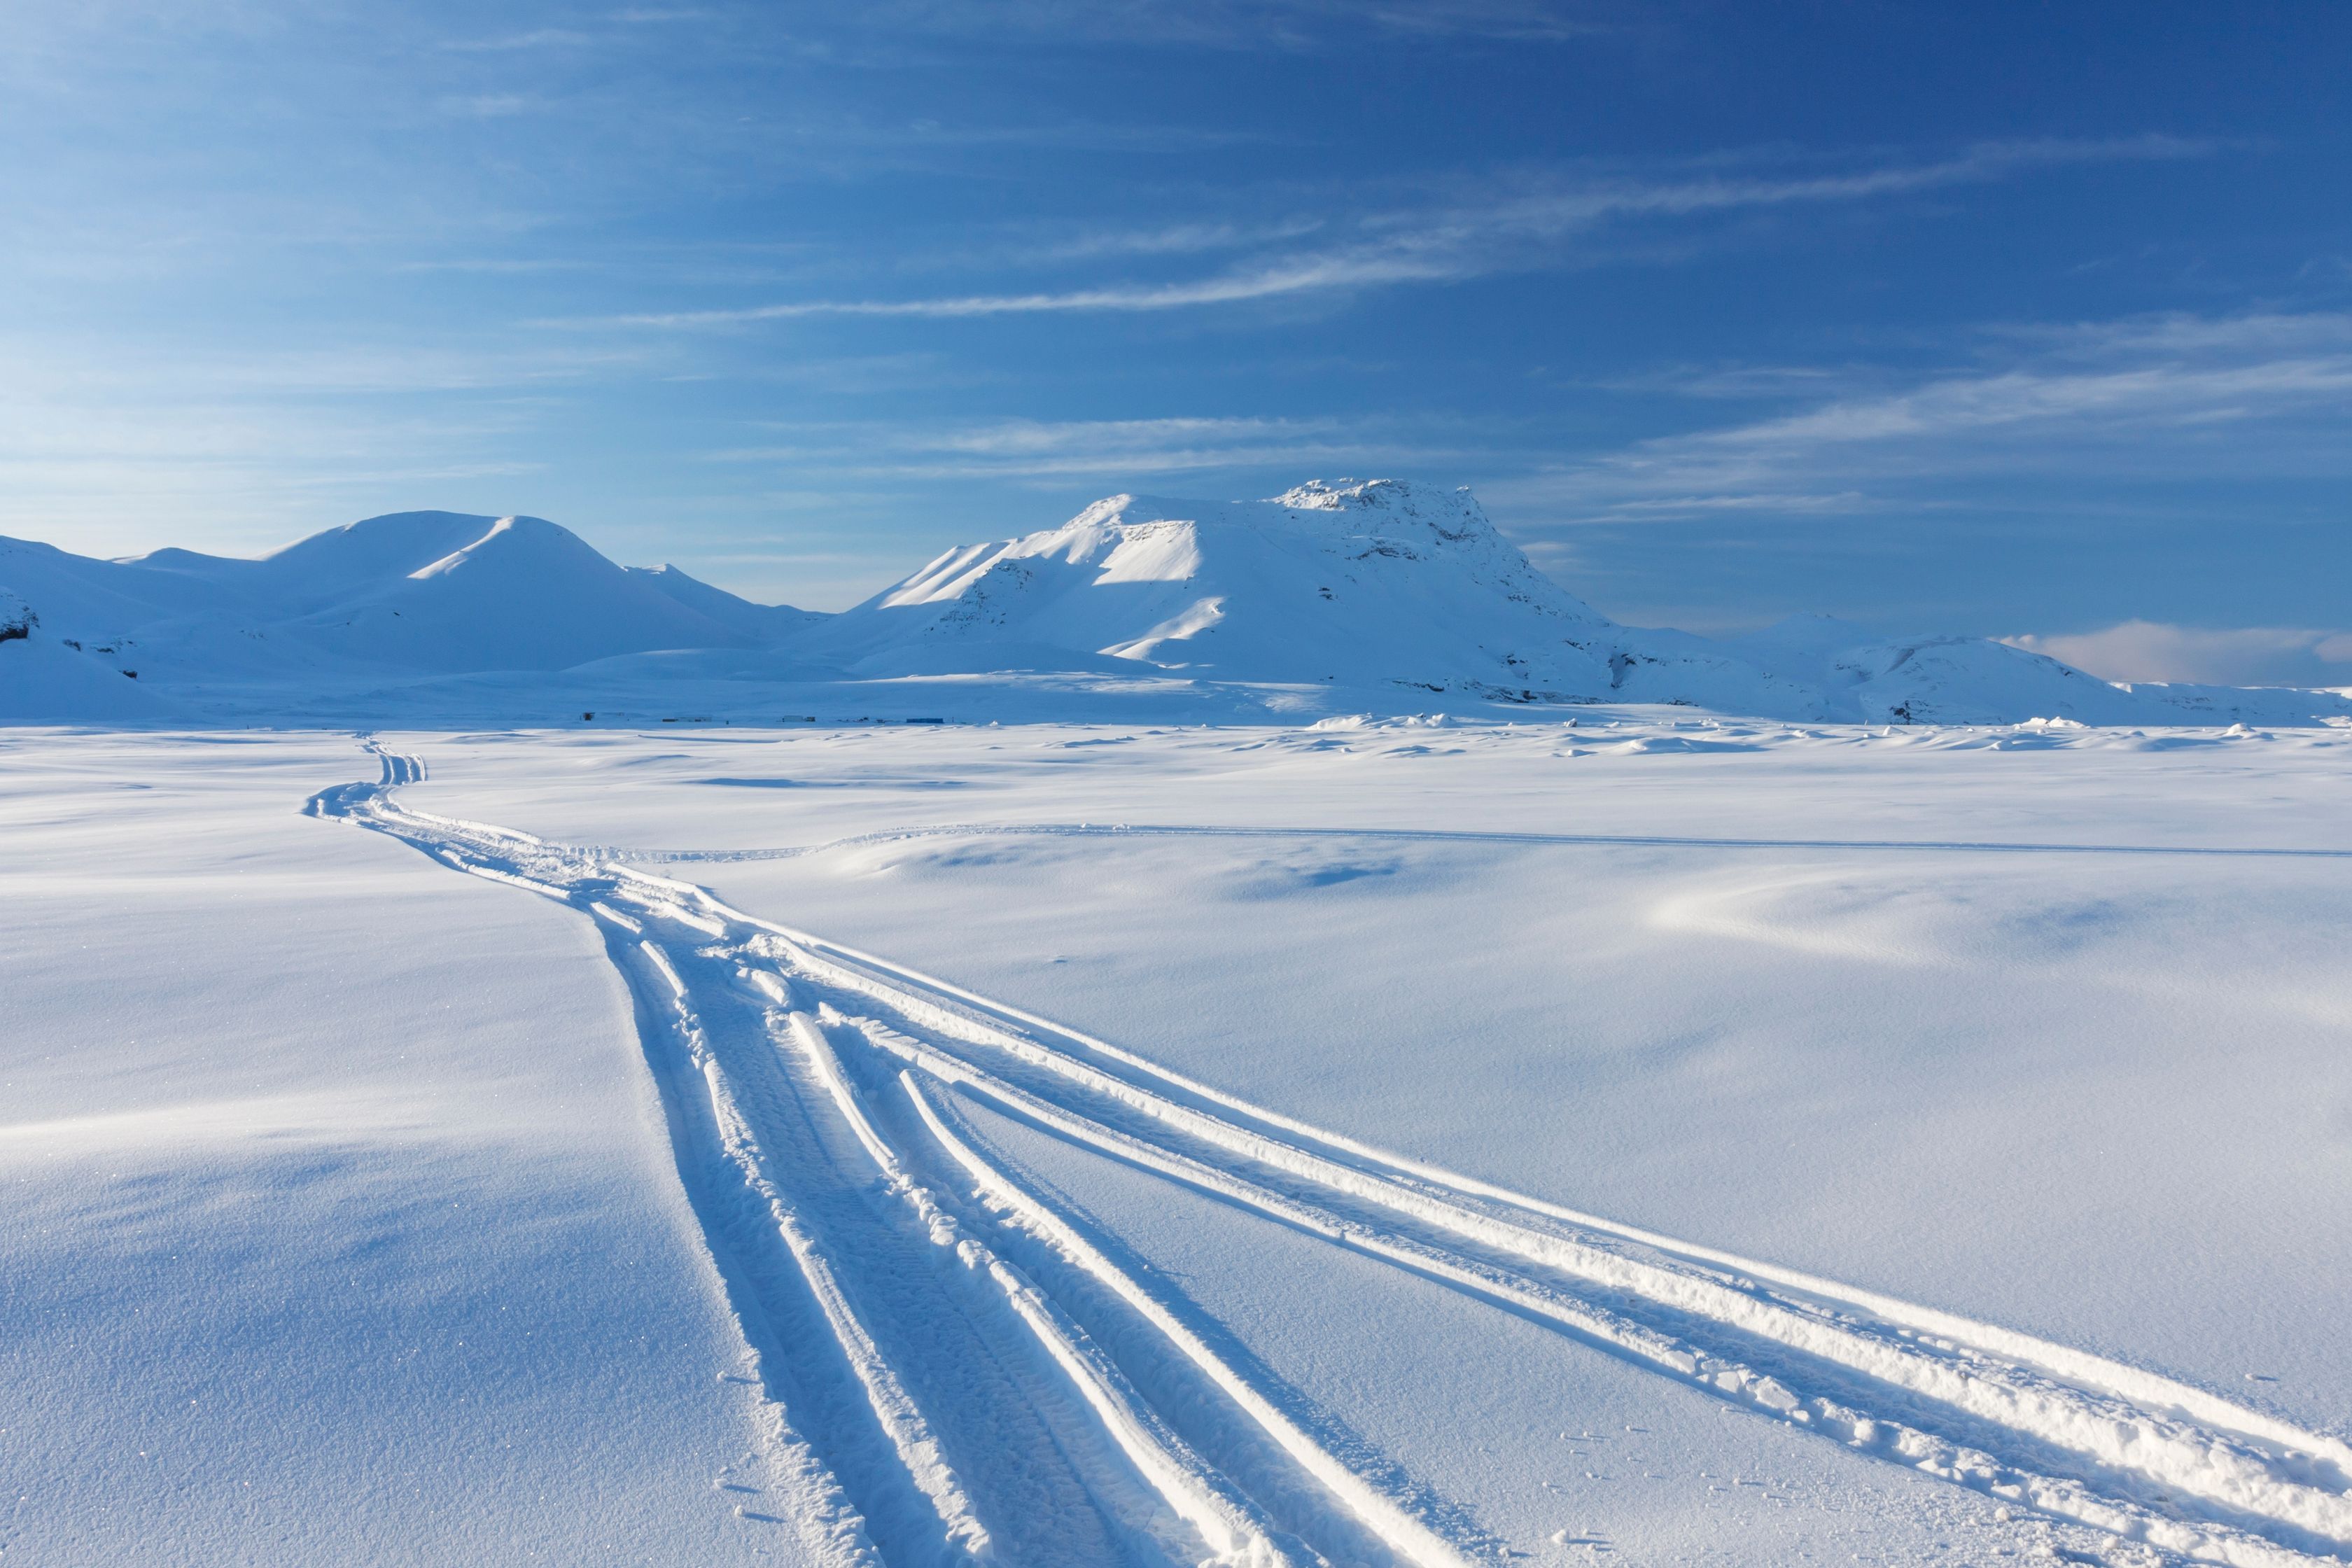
[975, 1376]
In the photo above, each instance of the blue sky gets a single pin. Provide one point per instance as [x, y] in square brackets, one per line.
[2031, 320]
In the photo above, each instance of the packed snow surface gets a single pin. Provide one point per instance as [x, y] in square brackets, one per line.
[1377, 595]
[1378, 1140]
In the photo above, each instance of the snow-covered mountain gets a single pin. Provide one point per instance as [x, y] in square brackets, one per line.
[1934, 679]
[1382, 592]
[1383, 582]
[420, 591]
[1392, 584]
[762, 623]
[1926, 680]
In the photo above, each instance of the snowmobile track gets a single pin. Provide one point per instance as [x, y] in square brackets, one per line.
[982, 1380]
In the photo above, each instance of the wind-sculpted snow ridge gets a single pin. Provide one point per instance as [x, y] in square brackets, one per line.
[981, 1379]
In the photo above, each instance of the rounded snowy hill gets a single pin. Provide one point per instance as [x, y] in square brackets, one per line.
[1380, 580]
[446, 591]
[415, 592]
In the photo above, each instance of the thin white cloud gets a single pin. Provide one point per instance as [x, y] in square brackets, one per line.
[2266, 395]
[1789, 501]
[2161, 394]
[491, 105]
[1306, 275]
[1118, 450]
[1512, 232]
[1234, 23]
[1169, 240]
[537, 38]
[2177, 332]
[1022, 438]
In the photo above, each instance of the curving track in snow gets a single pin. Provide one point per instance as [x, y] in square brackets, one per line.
[965, 1374]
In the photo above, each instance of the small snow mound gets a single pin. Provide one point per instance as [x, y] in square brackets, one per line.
[1351, 722]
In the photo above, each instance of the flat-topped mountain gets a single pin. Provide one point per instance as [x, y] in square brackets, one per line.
[1354, 583]
[1397, 585]
[1381, 583]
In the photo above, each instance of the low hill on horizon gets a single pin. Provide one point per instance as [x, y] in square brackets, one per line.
[407, 593]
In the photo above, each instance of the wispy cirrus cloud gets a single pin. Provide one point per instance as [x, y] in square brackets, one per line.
[1236, 24]
[491, 105]
[1044, 452]
[507, 43]
[1169, 240]
[2168, 396]
[883, 32]
[2037, 402]
[1517, 228]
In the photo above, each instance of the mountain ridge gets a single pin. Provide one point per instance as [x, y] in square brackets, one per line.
[1391, 592]
[415, 592]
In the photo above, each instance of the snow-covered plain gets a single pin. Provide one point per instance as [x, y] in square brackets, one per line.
[1901, 1145]
[340, 1224]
